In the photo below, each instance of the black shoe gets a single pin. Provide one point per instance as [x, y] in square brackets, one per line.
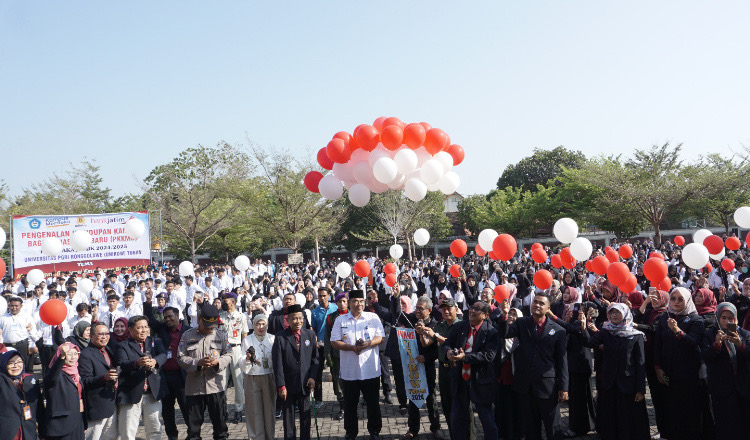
[403, 410]
[374, 436]
[278, 414]
[339, 415]
[387, 399]
[237, 417]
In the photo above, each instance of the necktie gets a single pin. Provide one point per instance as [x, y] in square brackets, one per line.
[466, 369]
[110, 321]
[296, 338]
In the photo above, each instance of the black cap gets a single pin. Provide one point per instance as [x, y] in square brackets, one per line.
[354, 294]
[449, 302]
[210, 315]
[294, 308]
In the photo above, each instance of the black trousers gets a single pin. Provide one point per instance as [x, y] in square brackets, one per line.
[22, 348]
[370, 389]
[318, 392]
[621, 417]
[175, 392]
[46, 352]
[398, 378]
[461, 409]
[385, 373]
[430, 404]
[685, 418]
[217, 412]
[508, 413]
[336, 378]
[582, 410]
[730, 412]
[287, 414]
[446, 401]
[658, 398]
[537, 412]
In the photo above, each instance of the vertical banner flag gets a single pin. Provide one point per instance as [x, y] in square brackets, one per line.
[110, 246]
[414, 374]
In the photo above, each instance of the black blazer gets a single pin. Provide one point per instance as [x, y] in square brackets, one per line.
[481, 359]
[541, 362]
[98, 394]
[623, 361]
[580, 358]
[12, 415]
[721, 377]
[276, 322]
[61, 414]
[132, 378]
[292, 367]
[679, 357]
[384, 314]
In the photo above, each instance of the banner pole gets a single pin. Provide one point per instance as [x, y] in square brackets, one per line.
[12, 265]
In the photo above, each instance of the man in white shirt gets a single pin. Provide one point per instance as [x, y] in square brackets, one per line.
[17, 330]
[357, 335]
[128, 309]
[176, 297]
[112, 313]
[82, 314]
[223, 282]
[210, 290]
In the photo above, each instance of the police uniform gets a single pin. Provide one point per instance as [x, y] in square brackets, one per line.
[234, 324]
[204, 386]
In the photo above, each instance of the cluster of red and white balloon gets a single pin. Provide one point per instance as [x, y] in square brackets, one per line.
[388, 154]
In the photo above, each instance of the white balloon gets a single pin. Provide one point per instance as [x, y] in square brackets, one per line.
[51, 246]
[242, 263]
[377, 154]
[397, 182]
[330, 187]
[565, 230]
[422, 156]
[431, 171]
[421, 236]
[135, 228]
[396, 251]
[432, 187]
[385, 170]
[300, 298]
[581, 248]
[359, 155]
[359, 195]
[343, 269]
[486, 237]
[449, 182]
[343, 171]
[3, 237]
[186, 268]
[377, 187]
[445, 159]
[700, 235]
[85, 285]
[362, 172]
[718, 256]
[695, 255]
[415, 190]
[406, 161]
[35, 277]
[80, 241]
[741, 217]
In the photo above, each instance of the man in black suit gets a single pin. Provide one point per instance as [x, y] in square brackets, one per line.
[278, 320]
[540, 375]
[295, 361]
[471, 347]
[141, 385]
[99, 378]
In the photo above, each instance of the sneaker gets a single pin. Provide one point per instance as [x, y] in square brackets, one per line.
[278, 414]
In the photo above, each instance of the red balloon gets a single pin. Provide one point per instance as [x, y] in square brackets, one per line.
[733, 243]
[727, 264]
[665, 285]
[709, 267]
[567, 259]
[378, 123]
[612, 256]
[656, 254]
[536, 246]
[337, 151]
[456, 271]
[414, 135]
[392, 137]
[425, 125]
[655, 269]
[600, 264]
[630, 284]
[589, 265]
[625, 251]
[393, 121]
[607, 249]
[3, 268]
[344, 136]
[505, 246]
[362, 268]
[570, 264]
[747, 239]
[542, 279]
[539, 256]
[618, 273]
[323, 159]
[479, 251]
[679, 241]
[390, 279]
[714, 244]
[367, 137]
[493, 255]
[53, 312]
[501, 293]
[457, 153]
[458, 248]
[436, 141]
[312, 179]
[389, 268]
[556, 261]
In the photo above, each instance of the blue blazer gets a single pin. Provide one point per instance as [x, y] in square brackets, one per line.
[132, 379]
[98, 395]
[61, 415]
[12, 415]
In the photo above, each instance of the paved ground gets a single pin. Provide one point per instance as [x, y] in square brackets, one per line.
[394, 424]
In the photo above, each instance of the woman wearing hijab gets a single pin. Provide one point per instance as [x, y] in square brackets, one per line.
[705, 304]
[63, 414]
[727, 356]
[508, 404]
[569, 298]
[81, 335]
[621, 395]
[119, 333]
[741, 300]
[677, 362]
[21, 398]
[260, 388]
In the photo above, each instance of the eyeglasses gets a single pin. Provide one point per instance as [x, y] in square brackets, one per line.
[18, 363]
[420, 309]
[676, 299]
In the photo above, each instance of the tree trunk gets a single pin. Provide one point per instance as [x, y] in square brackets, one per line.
[657, 235]
[192, 250]
[317, 252]
[408, 247]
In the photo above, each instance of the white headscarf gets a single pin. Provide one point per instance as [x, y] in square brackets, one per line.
[687, 297]
[625, 328]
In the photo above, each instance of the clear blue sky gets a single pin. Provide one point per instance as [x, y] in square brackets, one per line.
[133, 83]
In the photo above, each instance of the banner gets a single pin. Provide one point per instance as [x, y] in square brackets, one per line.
[414, 374]
[110, 246]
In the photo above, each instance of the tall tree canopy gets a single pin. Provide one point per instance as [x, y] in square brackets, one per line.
[539, 168]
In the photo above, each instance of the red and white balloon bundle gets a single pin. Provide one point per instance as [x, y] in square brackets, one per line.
[388, 154]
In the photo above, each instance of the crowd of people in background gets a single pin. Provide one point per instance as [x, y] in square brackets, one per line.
[146, 342]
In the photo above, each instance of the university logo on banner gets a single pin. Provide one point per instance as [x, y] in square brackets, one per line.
[414, 373]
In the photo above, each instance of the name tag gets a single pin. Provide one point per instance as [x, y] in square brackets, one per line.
[235, 333]
[27, 412]
[169, 354]
[265, 363]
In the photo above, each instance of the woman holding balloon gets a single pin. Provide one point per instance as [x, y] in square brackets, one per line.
[64, 411]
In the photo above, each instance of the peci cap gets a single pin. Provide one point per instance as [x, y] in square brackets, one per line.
[294, 308]
[357, 294]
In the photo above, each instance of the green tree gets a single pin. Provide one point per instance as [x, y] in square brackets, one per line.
[539, 168]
